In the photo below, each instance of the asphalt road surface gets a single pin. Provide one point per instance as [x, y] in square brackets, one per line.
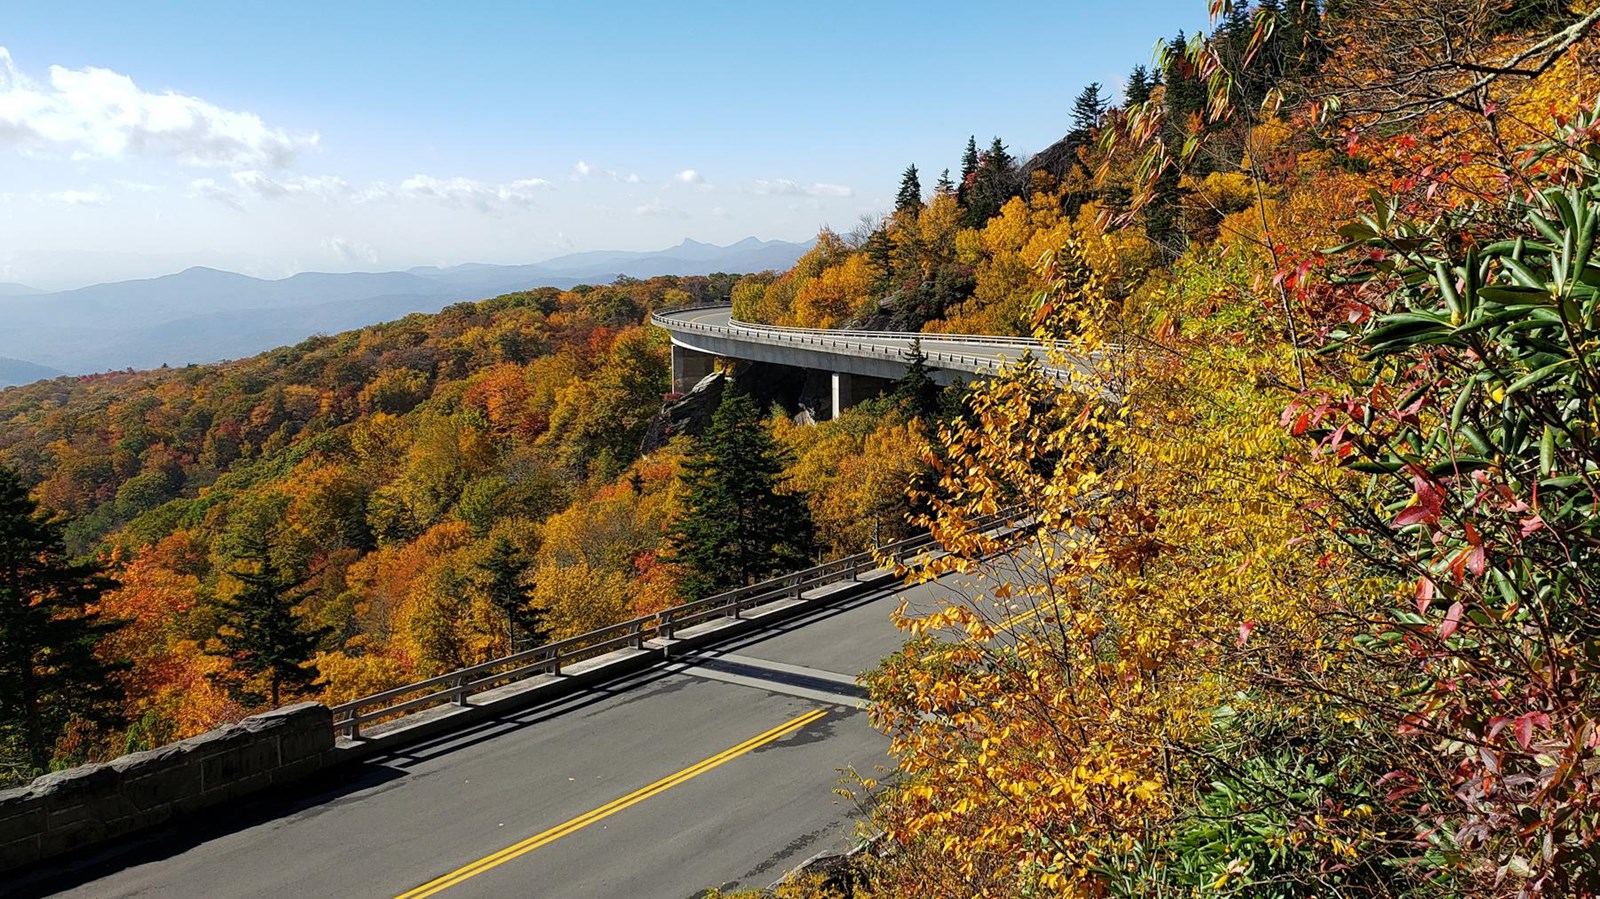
[717, 771]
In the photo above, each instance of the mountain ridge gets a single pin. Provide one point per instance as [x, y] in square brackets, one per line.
[203, 314]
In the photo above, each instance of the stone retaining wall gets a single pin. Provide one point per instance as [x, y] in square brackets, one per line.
[68, 810]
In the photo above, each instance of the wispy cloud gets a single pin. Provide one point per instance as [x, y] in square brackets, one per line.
[208, 188]
[351, 251]
[689, 176]
[785, 187]
[267, 187]
[657, 208]
[582, 171]
[95, 113]
[466, 192]
[92, 197]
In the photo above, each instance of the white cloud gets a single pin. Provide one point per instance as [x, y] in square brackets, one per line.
[92, 197]
[94, 113]
[326, 187]
[351, 251]
[138, 187]
[466, 192]
[582, 171]
[717, 212]
[785, 187]
[209, 189]
[658, 208]
[689, 176]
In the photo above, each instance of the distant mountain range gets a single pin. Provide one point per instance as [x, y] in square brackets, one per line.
[205, 315]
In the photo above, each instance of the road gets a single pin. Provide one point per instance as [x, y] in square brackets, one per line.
[717, 771]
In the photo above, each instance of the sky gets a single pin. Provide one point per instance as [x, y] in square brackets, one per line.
[140, 139]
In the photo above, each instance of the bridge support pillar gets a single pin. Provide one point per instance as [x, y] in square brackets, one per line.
[843, 392]
[688, 367]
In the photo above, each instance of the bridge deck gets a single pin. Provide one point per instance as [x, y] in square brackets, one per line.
[877, 354]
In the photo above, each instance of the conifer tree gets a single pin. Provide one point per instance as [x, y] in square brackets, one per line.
[50, 673]
[1185, 94]
[969, 169]
[1137, 92]
[992, 185]
[501, 578]
[916, 390]
[739, 523]
[910, 196]
[1087, 111]
[944, 186]
[998, 160]
[259, 630]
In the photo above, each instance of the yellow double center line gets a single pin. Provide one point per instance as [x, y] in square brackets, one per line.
[440, 884]
[1035, 612]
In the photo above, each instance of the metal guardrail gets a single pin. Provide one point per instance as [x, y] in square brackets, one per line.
[842, 341]
[549, 658]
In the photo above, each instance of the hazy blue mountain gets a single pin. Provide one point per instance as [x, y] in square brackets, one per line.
[13, 289]
[19, 371]
[603, 266]
[203, 315]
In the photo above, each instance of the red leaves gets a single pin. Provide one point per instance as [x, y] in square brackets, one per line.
[1522, 727]
[1452, 620]
[1425, 593]
[1426, 505]
[1244, 632]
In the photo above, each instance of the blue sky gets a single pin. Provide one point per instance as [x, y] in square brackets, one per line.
[338, 136]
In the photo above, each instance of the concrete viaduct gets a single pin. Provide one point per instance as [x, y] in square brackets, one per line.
[860, 363]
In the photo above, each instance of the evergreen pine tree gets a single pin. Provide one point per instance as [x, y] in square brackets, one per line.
[259, 630]
[738, 525]
[1185, 94]
[998, 160]
[916, 390]
[944, 187]
[501, 578]
[969, 169]
[910, 196]
[1087, 111]
[50, 673]
[992, 185]
[1138, 91]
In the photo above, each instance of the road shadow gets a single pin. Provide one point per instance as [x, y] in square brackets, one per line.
[183, 834]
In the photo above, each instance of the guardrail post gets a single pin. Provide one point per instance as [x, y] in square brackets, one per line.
[352, 728]
[555, 661]
[664, 625]
[459, 694]
[733, 609]
[638, 635]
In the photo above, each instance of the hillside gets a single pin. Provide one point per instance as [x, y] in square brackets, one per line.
[390, 471]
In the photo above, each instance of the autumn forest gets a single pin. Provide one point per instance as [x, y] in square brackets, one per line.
[1309, 607]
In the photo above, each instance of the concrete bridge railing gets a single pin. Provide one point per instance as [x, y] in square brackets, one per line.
[661, 632]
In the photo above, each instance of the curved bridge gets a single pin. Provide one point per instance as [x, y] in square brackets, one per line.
[860, 362]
